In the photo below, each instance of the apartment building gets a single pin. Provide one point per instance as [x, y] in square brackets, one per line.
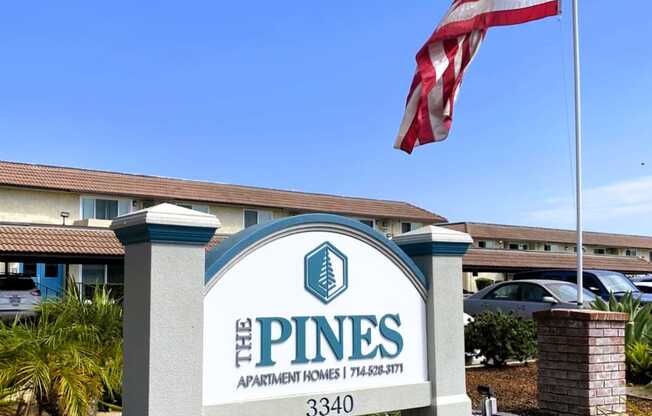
[54, 220]
[54, 223]
[499, 251]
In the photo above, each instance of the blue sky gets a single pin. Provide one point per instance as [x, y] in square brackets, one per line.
[309, 95]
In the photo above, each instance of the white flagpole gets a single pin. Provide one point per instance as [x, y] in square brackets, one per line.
[578, 156]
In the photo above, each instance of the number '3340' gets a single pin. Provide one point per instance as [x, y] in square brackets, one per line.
[324, 407]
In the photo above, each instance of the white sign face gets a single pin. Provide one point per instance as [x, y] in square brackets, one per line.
[313, 311]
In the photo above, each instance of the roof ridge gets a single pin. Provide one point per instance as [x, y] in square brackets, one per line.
[199, 181]
[560, 253]
[543, 228]
[58, 226]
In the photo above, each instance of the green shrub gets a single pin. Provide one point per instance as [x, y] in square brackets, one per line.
[499, 337]
[638, 356]
[482, 282]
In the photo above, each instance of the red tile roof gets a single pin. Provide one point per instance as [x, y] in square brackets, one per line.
[153, 187]
[552, 235]
[506, 260]
[59, 240]
[18, 239]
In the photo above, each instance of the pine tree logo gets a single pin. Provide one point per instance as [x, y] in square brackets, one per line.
[326, 274]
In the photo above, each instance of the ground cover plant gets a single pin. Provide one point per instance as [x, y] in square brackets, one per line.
[64, 361]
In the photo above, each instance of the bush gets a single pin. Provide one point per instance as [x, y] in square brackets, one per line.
[66, 359]
[483, 282]
[638, 356]
[499, 337]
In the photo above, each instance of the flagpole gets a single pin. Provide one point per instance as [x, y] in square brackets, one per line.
[578, 157]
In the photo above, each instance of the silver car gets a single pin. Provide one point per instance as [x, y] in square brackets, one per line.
[524, 297]
[18, 296]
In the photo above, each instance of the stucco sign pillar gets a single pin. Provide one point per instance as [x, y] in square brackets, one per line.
[438, 252]
[163, 314]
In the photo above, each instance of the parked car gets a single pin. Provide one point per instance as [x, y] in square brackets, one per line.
[18, 296]
[525, 297]
[642, 278]
[643, 283]
[644, 287]
[599, 282]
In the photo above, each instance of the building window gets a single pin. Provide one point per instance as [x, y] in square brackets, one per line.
[599, 251]
[104, 209]
[367, 222]
[482, 244]
[517, 246]
[115, 274]
[406, 227]
[29, 269]
[631, 252]
[253, 217]
[51, 270]
[93, 274]
[547, 247]
[612, 251]
[196, 207]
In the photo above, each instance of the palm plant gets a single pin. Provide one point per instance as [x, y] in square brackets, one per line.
[67, 358]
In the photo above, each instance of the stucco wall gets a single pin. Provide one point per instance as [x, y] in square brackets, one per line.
[43, 207]
[232, 218]
[469, 280]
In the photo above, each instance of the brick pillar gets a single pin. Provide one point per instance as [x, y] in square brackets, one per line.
[581, 362]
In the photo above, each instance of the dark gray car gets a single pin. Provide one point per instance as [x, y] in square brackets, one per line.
[524, 297]
[602, 283]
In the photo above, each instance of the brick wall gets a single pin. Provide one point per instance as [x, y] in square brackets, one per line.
[581, 362]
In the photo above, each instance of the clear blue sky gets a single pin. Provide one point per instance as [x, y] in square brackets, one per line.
[309, 95]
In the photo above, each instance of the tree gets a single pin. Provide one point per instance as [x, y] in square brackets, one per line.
[326, 276]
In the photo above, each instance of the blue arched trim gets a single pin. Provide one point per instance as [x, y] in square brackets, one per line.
[232, 246]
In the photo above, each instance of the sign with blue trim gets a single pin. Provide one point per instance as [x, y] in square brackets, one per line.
[317, 306]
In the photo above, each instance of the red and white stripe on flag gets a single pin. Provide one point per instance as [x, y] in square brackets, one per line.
[441, 62]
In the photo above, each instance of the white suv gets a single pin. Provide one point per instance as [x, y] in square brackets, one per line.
[18, 296]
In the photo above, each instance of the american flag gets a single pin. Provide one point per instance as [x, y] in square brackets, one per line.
[441, 62]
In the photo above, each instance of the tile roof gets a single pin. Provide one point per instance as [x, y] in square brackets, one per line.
[153, 187]
[65, 241]
[504, 260]
[59, 240]
[552, 235]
